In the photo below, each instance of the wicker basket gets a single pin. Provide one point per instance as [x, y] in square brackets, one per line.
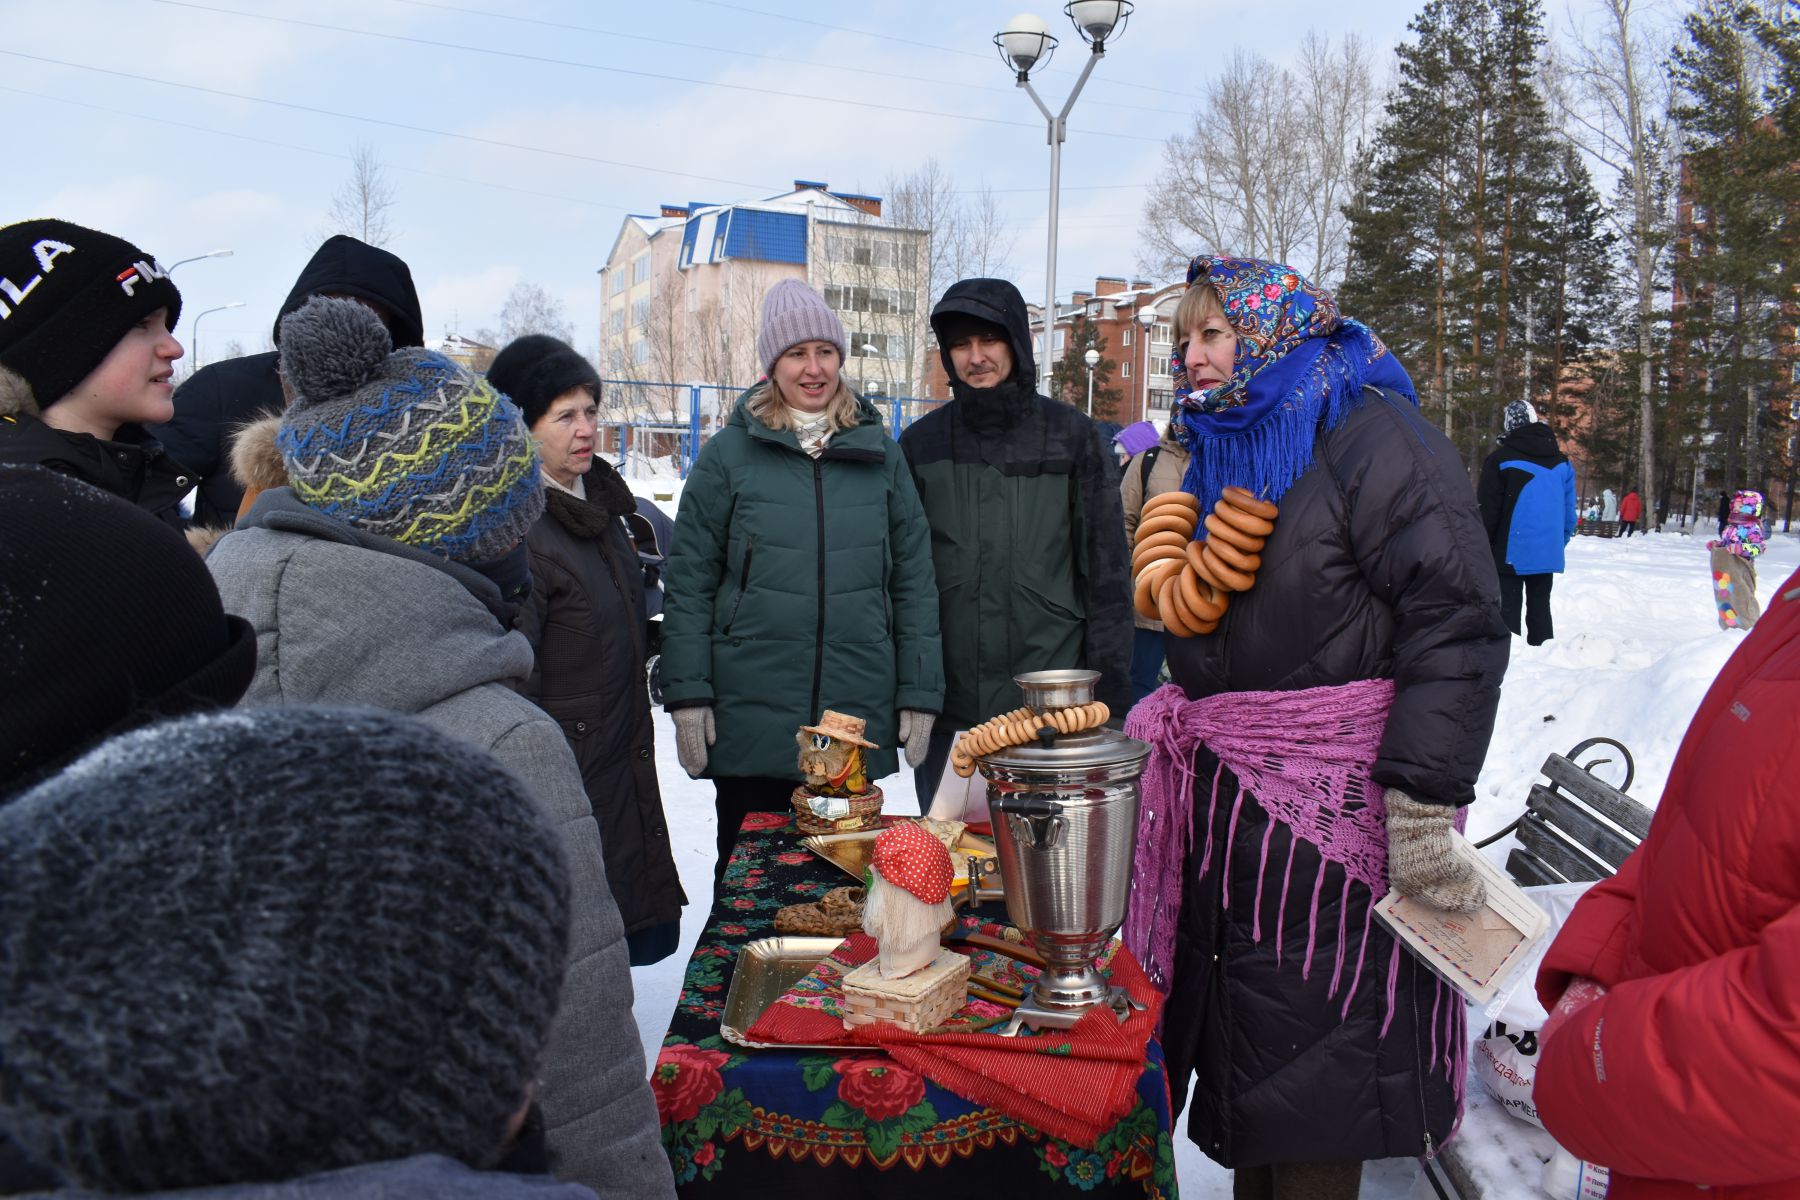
[865, 813]
[920, 1001]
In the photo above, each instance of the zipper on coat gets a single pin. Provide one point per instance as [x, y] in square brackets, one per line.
[743, 586]
[1419, 1063]
[812, 713]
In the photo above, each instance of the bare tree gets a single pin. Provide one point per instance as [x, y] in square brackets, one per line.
[1612, 73]
[968, 236]
[985, 238]
[1266, 167]
[528, 309]
[1337, 102]
[360, 206]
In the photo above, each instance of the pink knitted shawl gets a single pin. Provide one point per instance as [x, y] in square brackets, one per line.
[1305, 757]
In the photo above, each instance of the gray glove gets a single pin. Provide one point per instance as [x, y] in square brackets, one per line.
[694, 732]
[1421, 863]
[915, 734]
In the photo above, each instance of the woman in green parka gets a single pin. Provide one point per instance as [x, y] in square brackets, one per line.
[800, 578]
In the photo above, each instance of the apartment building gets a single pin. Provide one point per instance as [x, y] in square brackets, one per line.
[681, 292]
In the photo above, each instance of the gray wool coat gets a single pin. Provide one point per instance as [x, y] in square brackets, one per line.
[347, 617]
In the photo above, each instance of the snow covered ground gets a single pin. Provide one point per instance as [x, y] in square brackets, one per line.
[1637, 644]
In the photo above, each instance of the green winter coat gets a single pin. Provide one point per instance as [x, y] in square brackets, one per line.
[795, 585]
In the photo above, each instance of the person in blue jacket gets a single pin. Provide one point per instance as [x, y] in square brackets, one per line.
[1527, 495]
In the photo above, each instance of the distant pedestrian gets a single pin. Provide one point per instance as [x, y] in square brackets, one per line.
[1630, 509]
[1734, 558]
[1527, 495]
[1724, 511]
[1609, 499]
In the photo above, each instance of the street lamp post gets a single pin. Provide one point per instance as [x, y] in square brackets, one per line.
[209, 254]
[1092, 359]
[1026, 43]
[1147, 320]
[202, 316]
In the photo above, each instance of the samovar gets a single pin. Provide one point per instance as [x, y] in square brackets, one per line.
[1065, 816]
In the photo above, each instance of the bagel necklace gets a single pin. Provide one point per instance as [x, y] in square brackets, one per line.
[1186, 584]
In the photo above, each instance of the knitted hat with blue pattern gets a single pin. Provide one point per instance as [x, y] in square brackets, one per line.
[402, 443]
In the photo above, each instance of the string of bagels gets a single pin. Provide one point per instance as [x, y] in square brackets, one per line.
[1187, 584]
[1020, 726]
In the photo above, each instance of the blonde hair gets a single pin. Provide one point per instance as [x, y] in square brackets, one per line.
[768, 405]
[1200, 301]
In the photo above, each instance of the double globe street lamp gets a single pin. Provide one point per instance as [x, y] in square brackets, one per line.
[1025, 44]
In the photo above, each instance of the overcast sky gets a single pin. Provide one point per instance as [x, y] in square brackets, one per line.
[518, 133]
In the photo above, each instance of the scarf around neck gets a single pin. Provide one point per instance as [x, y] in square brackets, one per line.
[1301, 367]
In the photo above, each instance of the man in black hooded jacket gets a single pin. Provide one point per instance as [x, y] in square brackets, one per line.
[220, 399]
[1027, 534]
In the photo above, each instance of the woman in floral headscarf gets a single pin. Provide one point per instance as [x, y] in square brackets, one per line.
[1314, 747]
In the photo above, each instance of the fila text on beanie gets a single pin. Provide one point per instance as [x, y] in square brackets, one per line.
[67, 295]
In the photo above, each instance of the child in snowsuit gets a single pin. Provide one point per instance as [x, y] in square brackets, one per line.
[1734, 557]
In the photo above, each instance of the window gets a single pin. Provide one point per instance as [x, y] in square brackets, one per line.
[870, 345]
[1062, 337]
[640, 268]
[1125, 369]
[1125, 334]
[844, 298]
[640, 312]
[615, 320]
[1161, 398]
[640, 351]
[618, 281]
[862, 252]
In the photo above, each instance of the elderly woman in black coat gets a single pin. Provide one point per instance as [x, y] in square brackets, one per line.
[1315, 744]
[584, 615]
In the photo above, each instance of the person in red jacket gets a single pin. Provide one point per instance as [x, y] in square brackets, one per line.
[1630, 509]
[1682, 1068]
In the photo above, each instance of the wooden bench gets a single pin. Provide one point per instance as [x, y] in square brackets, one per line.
[1577, 828]
[1605, 529]
[1580, 828]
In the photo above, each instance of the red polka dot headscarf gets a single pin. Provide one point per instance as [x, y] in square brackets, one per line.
[909, 857]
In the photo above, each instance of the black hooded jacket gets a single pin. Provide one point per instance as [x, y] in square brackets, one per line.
[1027, 533]
[220, 399]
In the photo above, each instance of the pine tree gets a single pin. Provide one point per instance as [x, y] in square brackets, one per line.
[1069, 377]
[1451, 232]
[1735, 262]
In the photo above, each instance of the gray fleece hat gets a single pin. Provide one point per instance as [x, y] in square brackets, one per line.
[269, 943]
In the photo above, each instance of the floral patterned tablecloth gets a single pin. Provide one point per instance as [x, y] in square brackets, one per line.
[798, 1123]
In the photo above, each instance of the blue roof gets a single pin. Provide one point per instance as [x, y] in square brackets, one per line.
[765, 236]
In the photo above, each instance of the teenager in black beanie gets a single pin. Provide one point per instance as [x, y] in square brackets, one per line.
[107, 621]
[312, 945]
[87, 360]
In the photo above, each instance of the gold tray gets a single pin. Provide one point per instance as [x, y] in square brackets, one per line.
[853, 852]
[765, 969]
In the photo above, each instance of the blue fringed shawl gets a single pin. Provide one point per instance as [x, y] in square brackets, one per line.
[1266, 443]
